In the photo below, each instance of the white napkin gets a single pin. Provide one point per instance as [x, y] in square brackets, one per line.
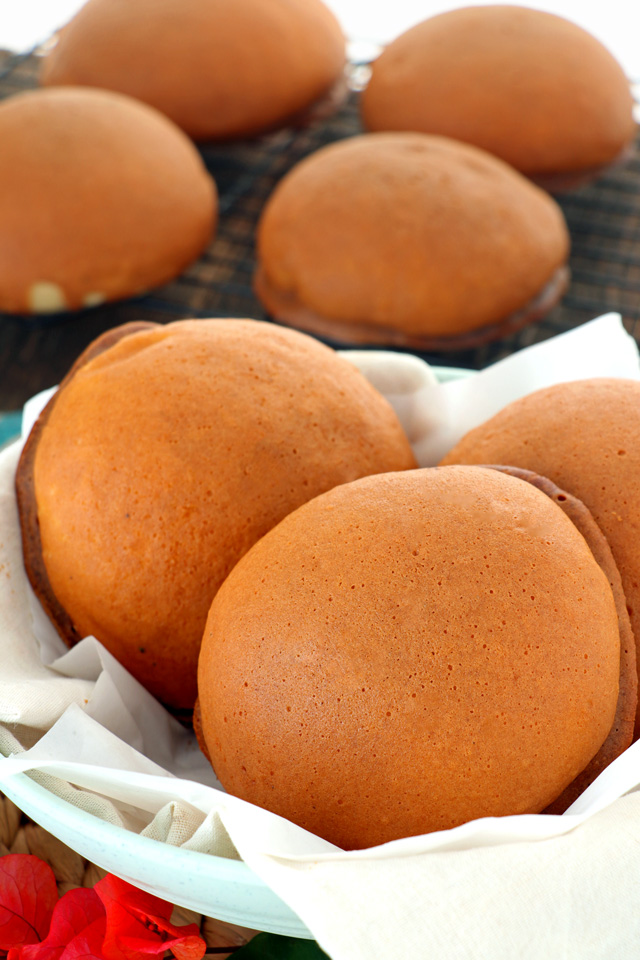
[526, 887]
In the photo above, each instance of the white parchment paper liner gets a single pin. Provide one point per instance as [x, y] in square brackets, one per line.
[526, 886]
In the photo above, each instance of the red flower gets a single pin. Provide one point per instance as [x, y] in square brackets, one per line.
[138, 925]
[114, 921]
[28, 894]
[77, 930]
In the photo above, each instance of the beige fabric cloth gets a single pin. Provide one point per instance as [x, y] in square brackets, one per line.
[526, 887]
[574, 897]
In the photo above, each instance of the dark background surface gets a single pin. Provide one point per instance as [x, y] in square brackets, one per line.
[603, 219]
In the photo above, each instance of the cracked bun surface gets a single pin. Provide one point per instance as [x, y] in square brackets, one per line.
[409, 239]
[167, 452]
[409, 652]
[218, 69]
[585, 436]
[528, 86]
[102, 199]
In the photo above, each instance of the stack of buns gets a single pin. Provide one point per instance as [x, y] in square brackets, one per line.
[408, 244]
[104, 195]
[218, 69]
[528, 86]
[424, 233]
[377, 650]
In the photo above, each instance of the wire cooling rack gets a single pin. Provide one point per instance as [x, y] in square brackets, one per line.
[603, 219]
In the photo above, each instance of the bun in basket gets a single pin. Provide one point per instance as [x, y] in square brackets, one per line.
[412, 240]
[530, 87]
[102, 198]
[166, 453]
[411, 651]
[585, 436]
[218, 69]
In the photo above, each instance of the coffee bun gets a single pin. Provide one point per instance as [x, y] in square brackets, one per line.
[585, 436]
[409, 652]
[528, 86]
[102, 198]
[409, 239]
[217, 69]
[167, 452]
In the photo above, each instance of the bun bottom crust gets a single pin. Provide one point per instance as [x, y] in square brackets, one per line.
[287, 309]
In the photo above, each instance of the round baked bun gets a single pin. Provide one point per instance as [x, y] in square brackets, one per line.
[102, 198]
[167, 452]
[585, 436]
[409, 652]
[530, 87]
[218, 68]
[412, 240]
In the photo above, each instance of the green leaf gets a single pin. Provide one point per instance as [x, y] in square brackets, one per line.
[269, 946]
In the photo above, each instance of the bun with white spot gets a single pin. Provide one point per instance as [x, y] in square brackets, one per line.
[102, 198]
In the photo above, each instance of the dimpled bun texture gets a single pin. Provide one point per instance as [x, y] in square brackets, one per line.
[407, 231]
[167, 456]
[409, 652]
[528, 86]
[218, 68]
[102, 198]
[585, 436]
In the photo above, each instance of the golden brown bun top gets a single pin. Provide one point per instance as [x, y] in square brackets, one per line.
[408, 652]
[410, 231]
[531, 87]
[218, 68]
[585, 436]
[101, 197]
[168, 455]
